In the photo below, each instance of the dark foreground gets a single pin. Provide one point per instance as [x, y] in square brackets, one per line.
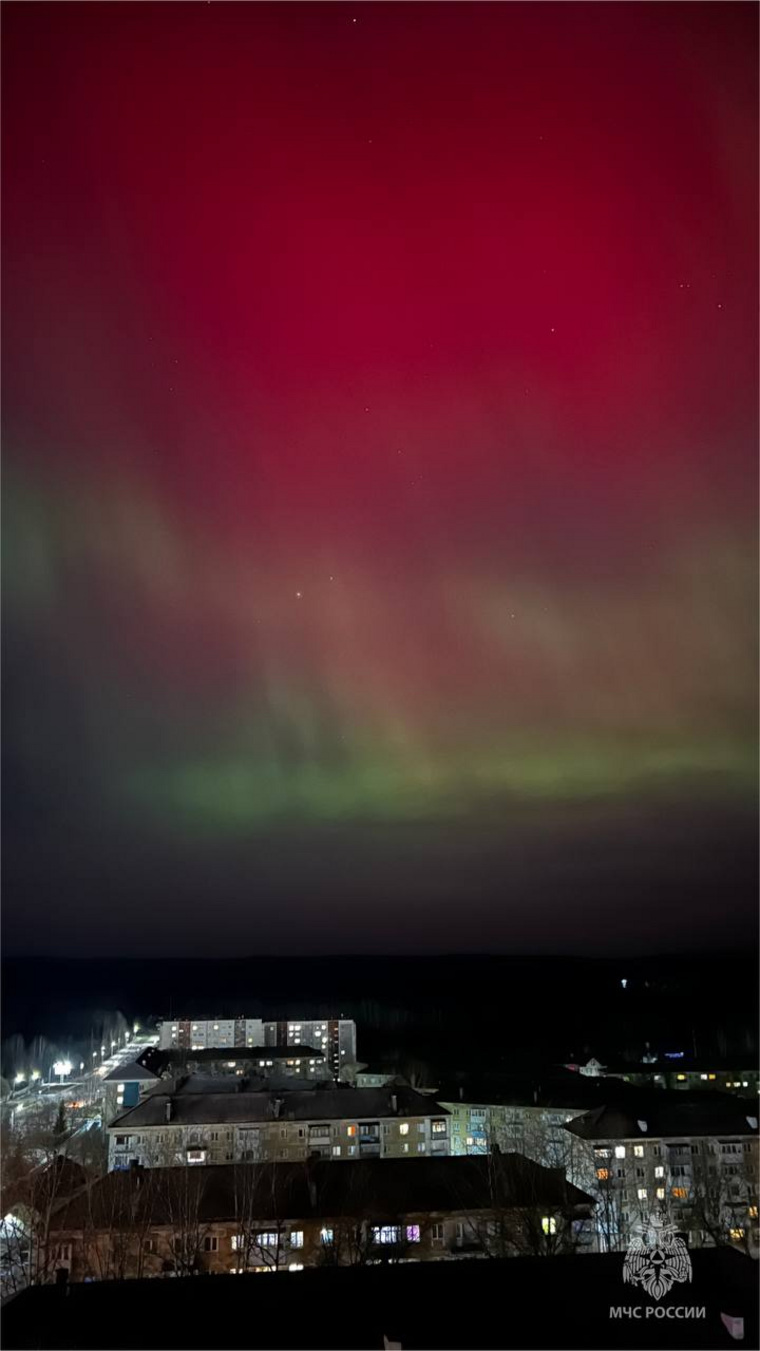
[551, 1304]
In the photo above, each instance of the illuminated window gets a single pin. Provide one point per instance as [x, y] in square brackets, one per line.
[412, 1233]
[336, 1151]
[326, 1235]
[642, 1193]
[659, 1171]
[386, 1233]
[470, 1139]
[267, 1239]
[404, 1128]
[681, 1078]
[711, 1077]
[295, 1266]
[736, 1234]
[296, 1238]
[638, 1151]
[549, 1224]
[703, 1076]
[351, 1130]
[660, 1193]
[601, 1153]
[439, 1127]
[679, 1193]
[602, 1174]
[619, 1151]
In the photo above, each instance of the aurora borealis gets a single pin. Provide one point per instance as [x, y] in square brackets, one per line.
[380, 423]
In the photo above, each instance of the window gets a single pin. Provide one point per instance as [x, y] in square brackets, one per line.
[421, 1127]
[149, 1245]
[296, 1238]
[196, 1156]
[603, 1174]
[386, 1233]
[121, 1139]
[601, 1153]
[619, 1151]
[422, 1147]
[64, 1252]
[351, 1130]
[641, 1172]
[682, 1078]
[412, 1233]
[736, 1234]
[437, 1233]
[679, 1193]
[326, 1235]
[405, 1148]
[638, 1151]
[711, 1077]
[439, 1127]
[660, 1193]
[237, 1242]
[336, 1151]
[211, 1243]
[470, 1139]
[659, 1171]
[295, 1266]
[267, 1239]
[642, 1193]
[404, 1128]
[549, 1224]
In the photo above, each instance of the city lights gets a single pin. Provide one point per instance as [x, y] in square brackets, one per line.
[62, 1068]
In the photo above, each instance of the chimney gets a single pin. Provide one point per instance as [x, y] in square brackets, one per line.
[394, 1103]
[461, 1092]
[169, 1109]
[277, 1104]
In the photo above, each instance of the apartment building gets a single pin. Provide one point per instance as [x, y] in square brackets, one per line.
[283, 1216]
[692, 1160]
[201, 1121]
[334, 1037]
[521, 1117]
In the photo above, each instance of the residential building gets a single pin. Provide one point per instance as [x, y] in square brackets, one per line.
[693, 1160]
[220, 1121]
[334, 1037]
[278, 1216]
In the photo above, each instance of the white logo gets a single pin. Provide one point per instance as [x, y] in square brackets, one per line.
[657, 1258]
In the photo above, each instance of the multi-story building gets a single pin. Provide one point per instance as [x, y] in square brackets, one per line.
[334, 1037]
[693, 1161]
[281, 1216]
[187, 1123]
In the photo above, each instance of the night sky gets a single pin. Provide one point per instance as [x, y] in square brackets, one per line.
[380, 423]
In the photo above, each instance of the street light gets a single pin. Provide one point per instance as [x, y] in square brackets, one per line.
[19, 1078]
[62, 1068]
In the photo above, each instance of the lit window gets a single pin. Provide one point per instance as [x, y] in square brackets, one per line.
[470, 1139]
[386, 1233]
[439, 1127]
[745, 1083]
[703, 1076]
[619, 1151]
[422, 1147]
[660, 1193]
[267, 1239]
[549, 1224]
[711, 1077]
[752, 1212]
[682, 1077]
[659, 1171]
[326, 1235]
[295, 1266]
[642, 1193]
[237, 1242]
[679, 1193]
[350, 1130]
[602, 1174]
[412, 1233]
[336, 1151]
[404, 1128]
[736, 1234]
[296, 1238]
[638, 1151]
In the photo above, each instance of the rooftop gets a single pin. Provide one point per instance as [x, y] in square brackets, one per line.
[661, 1115]
[380, 1188]
[327, 1102]
[536, 1303]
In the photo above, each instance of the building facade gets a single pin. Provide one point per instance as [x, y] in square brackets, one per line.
[285, 1217]
[201, 1127]
[334, 1037]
